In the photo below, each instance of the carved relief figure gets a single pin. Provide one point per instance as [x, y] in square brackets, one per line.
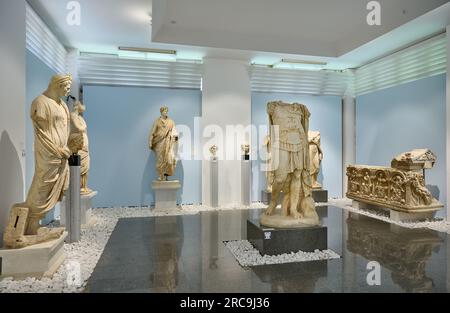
[290, 160]
[79, 143]
[316, 157]
[51, 123]
[162, 140]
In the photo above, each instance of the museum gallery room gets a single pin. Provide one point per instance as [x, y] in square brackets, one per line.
[211, 146]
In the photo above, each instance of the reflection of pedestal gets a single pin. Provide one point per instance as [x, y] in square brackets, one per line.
[214, 183]
[271, 241]
[166, 193]
[245, 181]
[41, 260]
[319, 196]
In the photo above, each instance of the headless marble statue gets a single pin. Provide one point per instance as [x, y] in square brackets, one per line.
[51, 123]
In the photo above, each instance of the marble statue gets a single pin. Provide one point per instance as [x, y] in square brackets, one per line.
[400, 187]
[213, 150]
[79, 143]
[290, 165]
[315, 157]
[51, 123]
[162, 140]
[245, 149]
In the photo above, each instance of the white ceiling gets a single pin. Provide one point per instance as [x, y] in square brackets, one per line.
[260, 30]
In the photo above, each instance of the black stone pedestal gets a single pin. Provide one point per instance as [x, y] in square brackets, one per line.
[271, 241]
[319, 195]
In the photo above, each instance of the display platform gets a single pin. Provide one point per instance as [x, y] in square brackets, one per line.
[274, 241]
[319, 196]
[85, 207]
[395, 215]
[41, 260]
[166, 193]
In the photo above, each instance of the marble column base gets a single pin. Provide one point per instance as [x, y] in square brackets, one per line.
[166, 193]
[41, 260]
[270, 241]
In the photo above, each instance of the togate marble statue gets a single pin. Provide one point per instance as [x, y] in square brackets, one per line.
[315, 156]
[400, 187]
[51, 123]
[79, 143]
[290, 165]
[162, 140]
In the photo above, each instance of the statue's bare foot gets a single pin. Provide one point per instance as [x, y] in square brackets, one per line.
[296, 215]
[45, 234]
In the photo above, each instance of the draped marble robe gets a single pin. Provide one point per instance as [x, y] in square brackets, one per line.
[51, 123]
[162, 139]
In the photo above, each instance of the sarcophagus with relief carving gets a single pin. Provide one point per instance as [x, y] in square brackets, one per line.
[401, 187]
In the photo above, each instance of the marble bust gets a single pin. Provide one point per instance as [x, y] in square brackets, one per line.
[162, 140]
[213, 150]
[51, 123]
[79, 143]
[290, 165]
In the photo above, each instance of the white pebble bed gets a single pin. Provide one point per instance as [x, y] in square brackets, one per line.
[88, 250]
[439, 225]
[248, 256]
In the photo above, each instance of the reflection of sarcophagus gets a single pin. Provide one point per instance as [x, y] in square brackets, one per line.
[405, 252]
[400, 188]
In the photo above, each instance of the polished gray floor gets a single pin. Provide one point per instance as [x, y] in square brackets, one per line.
[187, 254]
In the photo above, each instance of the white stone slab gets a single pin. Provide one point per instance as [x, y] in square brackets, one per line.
[166, 193]
[41, 260]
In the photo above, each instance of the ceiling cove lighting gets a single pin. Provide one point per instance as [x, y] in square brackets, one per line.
[147, 54]
[300, 64]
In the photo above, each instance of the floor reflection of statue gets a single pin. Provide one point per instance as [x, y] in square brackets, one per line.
[404, 252]
[166, 252]
[79, 143]
[316, 157]
[290, 164]
[51, 123]
[162, 140]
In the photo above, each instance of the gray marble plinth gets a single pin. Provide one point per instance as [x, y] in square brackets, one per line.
[166, 193]
[271, 241]
[394, 214]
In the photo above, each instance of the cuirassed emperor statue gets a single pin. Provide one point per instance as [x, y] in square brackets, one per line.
[290, 166]
[162, 140]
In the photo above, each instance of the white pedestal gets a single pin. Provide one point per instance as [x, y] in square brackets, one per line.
[41, 260]
[85, 207]
[166, 193]
[214, 183]
[246, 173]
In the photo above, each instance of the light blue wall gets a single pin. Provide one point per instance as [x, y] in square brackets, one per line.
[326, 117]
[401, 118]
[119, 121]
[38, 75]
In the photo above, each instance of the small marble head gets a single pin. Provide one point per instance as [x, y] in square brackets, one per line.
[164, 111]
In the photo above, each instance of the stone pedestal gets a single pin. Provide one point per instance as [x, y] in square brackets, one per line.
[246, 173]
[85, 209]
[319, 196]
[395, 215]
[166, 193]
[271, 241]
[41, 260]
[214, 183]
